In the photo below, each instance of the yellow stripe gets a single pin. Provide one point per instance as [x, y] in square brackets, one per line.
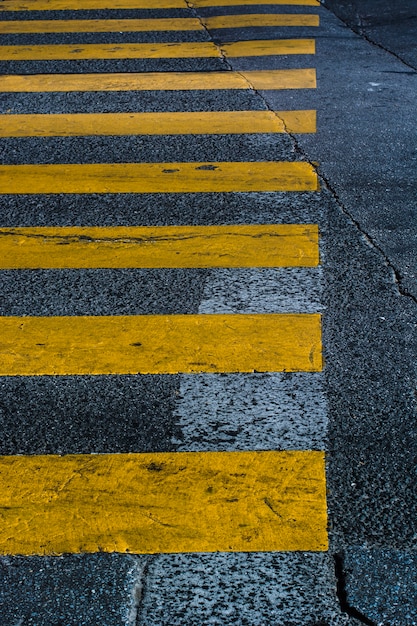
[156, 24]
[159, 344]
[157, 50]
[99, 26]
[251, 20]
[163, 502]
[283, 245]
[230, 3]
[161, 123]
[74, 5]
[78, 5]
[265, 79]
[158, 177]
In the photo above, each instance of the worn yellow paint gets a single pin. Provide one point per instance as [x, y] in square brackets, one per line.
[82, 5]
[158, 177]
[260, 19]
[281, 245]
[100, 26]
[189, 50]
[264, 79]
[229, 3]
[160, 123]
[159, 344]
[74, 5]
[163, 502]
[155, 24]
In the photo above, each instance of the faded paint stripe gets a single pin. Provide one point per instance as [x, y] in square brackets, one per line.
[187, 50]
[163, 502]
[156, 24]
[158, 247]
[158, 177]
[160, 123]
[77, 5]
[159, 344]
[260, 19]
[146, 81]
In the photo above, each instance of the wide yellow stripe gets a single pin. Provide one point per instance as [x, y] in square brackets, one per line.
[74, 5]
[265, 79]
[100, 26]
[155, 24]
[160, 123]
[251, 20]
[229, 3]
[78, 5]
[159, 344]
[282, 245]
[157, 50]
[158, 177]
[163, 502]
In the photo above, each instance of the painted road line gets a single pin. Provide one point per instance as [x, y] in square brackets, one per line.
[159, 344]
[160, 123]
[187, 50]
[158, 177]
[147, 81]
[163, 502]
[77, 5]
[260, 20]
[156, 24]
[284, 245]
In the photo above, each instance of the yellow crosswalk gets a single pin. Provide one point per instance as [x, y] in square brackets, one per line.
[159, 123]
[147, 503]
[159, 502]
[157, 24]
[76, 5]
[161, 81]
[286, 245]
[158, 177]
[188, 50]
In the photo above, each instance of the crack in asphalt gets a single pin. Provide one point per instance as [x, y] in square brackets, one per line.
[341, 593]
[397, 277]
[362, 33]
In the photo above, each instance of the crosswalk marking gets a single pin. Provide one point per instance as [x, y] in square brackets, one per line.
[188, 50]
[179, 502]
[159, 123]
[156, 24]
[158, 177]
[286, 245]
[161, 81]
[159, 344]
[78, 5]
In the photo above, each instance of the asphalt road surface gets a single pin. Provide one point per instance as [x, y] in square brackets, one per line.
[208, 314]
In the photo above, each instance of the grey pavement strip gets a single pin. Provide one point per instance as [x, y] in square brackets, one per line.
[263, 290]
[240, 589]
[282, 411]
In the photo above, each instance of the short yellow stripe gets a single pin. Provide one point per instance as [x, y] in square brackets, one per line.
[158, 177]
[160, 123]
[229, 3]
[265, 79]
[156, 50]
[163, 502]
[156, 24]
[74, 5]
[282, 245]
[251, 20]
[159, 344]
